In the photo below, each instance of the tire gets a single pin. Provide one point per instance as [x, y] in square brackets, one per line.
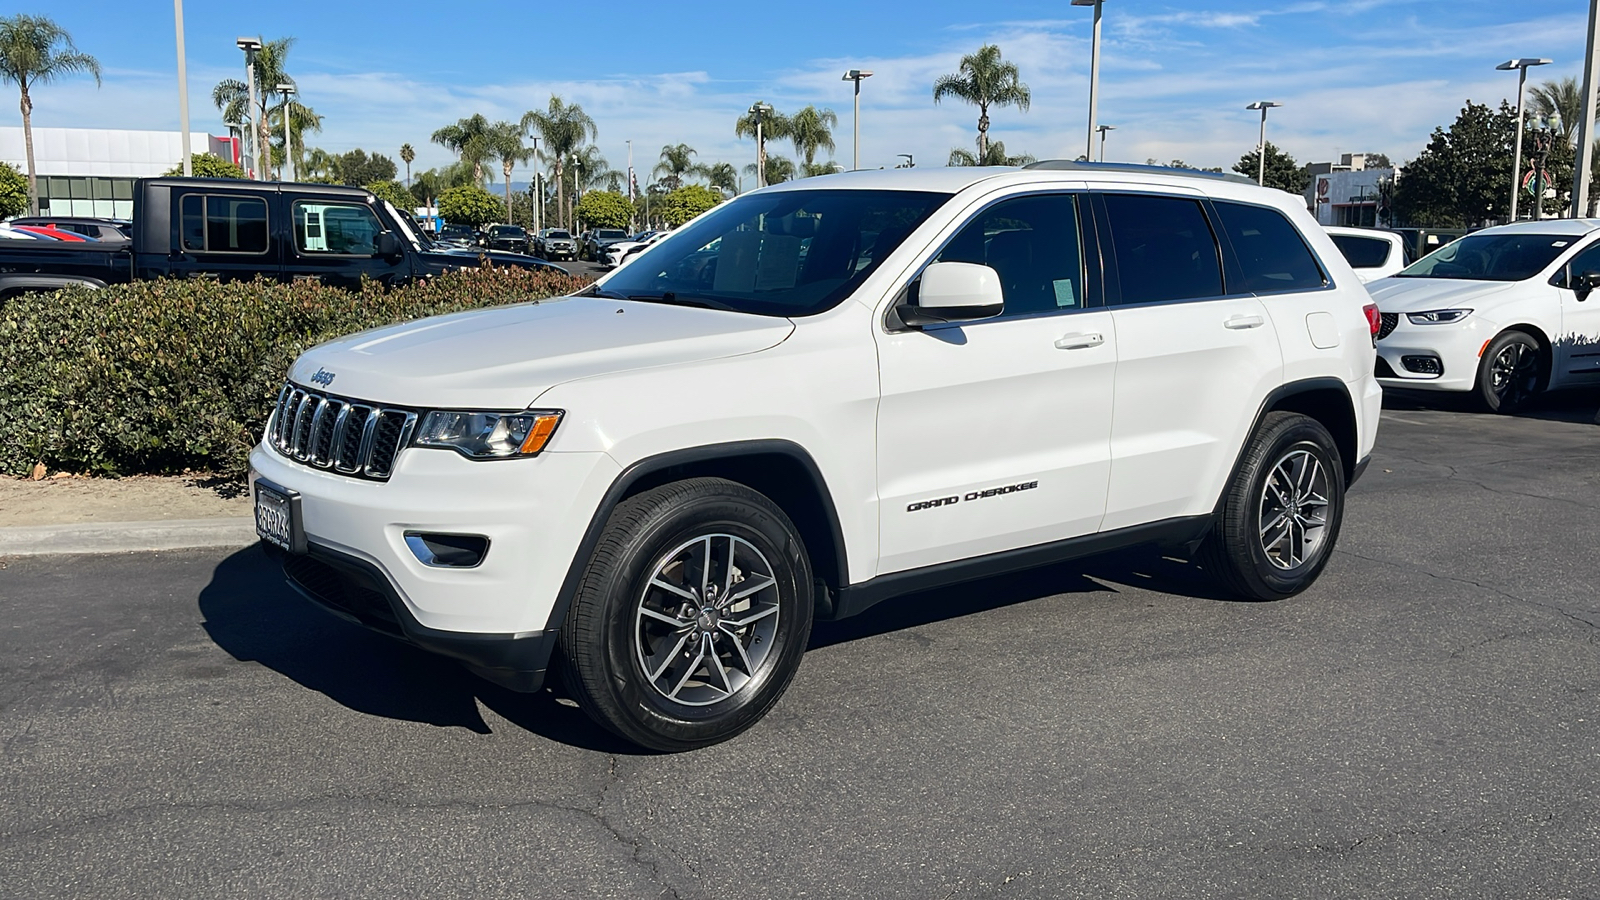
[1510, 373]
[644, 653]
[1270, 563]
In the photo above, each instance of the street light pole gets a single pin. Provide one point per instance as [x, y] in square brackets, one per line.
[287, 90]
[1261, 148]
[250, 45]
[538, 195]
[1094, 75]
[856, 75]
[1103, 129]
[759, 111]
[911, 161]
[1580, 171]
[1521, 65]
[183, 89]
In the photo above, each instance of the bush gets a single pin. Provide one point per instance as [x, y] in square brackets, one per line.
[207, 165]
[686, 202]
[167, 376]
[13, 192]
[394, 192]
[605, 209]
[469, 205]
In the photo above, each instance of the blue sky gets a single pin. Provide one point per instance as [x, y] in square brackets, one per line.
[1354, 75]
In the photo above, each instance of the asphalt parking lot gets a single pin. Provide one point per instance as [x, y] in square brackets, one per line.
[1424, 722]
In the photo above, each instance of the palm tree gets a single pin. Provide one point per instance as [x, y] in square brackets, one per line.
[994, 155]
[811, 129]
[984, 81]
[232, 96]
[564, 128]
[677, 164]
[1559, 97]
[779, 169]
[771, 125]
[407, 154]
[469, 139]
[723, 175]
[302, 119]
[320, 164]
[505, 142]
[35, 50]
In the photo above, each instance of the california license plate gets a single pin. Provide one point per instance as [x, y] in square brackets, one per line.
[274, 517]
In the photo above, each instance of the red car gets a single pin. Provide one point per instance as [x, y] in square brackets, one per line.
[53, 232]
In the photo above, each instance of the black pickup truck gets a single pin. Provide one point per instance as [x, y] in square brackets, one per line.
[228, 230]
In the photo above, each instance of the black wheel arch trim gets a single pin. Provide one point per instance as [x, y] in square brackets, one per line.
[1352, 467]
[663, 462]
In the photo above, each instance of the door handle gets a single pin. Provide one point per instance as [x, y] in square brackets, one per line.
[1079, 340]
[1241, 322]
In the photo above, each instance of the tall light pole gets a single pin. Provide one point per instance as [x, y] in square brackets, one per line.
[538, 195]
[1103, 129]
[1522, 66]
[911, 161]
[759, 111]
[577, 162]
[1591, 82]
[1261, 148]
[251, 46]
[631, 222]
[183, 88]
[1094, 75]
[287, 90]
[856, 75]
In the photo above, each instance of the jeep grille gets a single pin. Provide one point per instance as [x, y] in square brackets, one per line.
[346, 436]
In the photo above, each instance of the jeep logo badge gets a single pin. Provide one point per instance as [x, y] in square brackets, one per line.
[323, 377]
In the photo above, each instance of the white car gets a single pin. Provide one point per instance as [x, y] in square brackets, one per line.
[624, 251]
[820, 395]
[1505, 313]
[1373, 254]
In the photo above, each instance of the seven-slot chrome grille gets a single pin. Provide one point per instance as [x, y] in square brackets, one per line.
[350, 437]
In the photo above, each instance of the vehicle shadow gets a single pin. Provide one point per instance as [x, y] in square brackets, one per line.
[252, 614]
[1569, 405]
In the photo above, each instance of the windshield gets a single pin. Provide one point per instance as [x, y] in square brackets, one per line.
[611, 233]
[412, 233]
[790, 253]
[1491, 257]
[507, 231]
[558, 234]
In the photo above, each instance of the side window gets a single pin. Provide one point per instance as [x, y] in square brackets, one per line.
[215, 223]
[346, 229]
[1272, 254]
[1164, 248]
[1362, 252]
[1033, 243]
[1587, 260]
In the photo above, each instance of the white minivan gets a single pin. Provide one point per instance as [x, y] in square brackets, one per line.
[1373, 254]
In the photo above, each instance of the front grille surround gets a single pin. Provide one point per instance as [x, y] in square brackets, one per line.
[1388, 323]
[350, 437]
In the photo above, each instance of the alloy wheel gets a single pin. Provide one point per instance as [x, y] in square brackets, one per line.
[1514, 374]
[1294, 509]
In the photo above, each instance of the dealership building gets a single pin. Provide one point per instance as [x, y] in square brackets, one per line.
[91, 171]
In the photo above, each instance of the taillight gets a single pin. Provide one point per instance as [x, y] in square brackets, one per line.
[1374, 320]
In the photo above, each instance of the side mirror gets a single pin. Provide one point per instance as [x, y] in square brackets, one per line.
[955, 292]
[388, 244]
[1585, 284]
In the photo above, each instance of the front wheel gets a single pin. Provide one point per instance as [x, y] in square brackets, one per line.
[1510, 374]
[1282, 511]
[692, 617]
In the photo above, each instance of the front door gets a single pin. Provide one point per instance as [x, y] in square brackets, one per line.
[336, 242]
[1577, 346]
[994, 435]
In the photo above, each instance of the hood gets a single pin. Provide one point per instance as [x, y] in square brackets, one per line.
[504, 358]
[1403, 295]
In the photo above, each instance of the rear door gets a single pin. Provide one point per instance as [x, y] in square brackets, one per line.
[222, 235]
[1194, 358]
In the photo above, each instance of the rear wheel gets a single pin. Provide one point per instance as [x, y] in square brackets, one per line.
[1511, 373]
[692, 617]
[1281, 514]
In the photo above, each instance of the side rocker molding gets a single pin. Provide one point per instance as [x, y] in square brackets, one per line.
[691, 461]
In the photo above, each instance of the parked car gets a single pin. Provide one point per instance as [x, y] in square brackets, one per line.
[460, 236]
[557, 243]
[671, 474]
[1505, 313]
[597, 241]
[510, 238]
[51, 231]
[99, 229]
[622, 251]
[238, 230]
[1372, 253]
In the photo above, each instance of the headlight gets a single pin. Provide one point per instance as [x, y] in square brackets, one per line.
[489, 435]
[1438, 316]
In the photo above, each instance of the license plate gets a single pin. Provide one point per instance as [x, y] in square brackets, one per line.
[274, 517]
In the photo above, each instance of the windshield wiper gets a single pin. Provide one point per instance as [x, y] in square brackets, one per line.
[595, 290]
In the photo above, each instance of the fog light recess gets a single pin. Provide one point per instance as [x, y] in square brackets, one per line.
[448, 551]
[1423, 365]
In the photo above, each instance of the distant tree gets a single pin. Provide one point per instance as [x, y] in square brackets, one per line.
[407, 156]
[232, 98]
[810, 130]
[357, 168]
[505, 144]
[394, 192]
[1462, 177]
[34, 51]
[1283, 172]
[985, 80]
[1562, 97]
[469, 205]
[723, 175]
[1378, 161]
[13, 192]
[779, 169]
[427, 186]
[768, 126]
[604, 209]
[565, 127]
[683, 204]
[677, 163]
[468, 138]
[995, 155]
[207, 165]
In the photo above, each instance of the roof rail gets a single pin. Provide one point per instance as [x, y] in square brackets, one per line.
[1077, 165]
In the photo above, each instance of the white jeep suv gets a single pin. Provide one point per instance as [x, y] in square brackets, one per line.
[1504, 313]
[818, 396]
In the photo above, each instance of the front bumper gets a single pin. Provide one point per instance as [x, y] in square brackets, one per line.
[533, 513]
[1456, 347]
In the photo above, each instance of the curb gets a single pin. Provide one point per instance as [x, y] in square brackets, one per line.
[127, 537]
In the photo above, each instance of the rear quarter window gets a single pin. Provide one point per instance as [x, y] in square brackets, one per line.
[1363, 252]
[1272, 255]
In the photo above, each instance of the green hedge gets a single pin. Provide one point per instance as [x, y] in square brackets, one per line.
[163, 377]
